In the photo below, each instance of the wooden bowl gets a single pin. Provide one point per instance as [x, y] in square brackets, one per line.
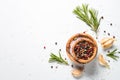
[78, 39]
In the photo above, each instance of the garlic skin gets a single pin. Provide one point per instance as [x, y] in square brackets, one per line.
[107, 42]
[102, 61]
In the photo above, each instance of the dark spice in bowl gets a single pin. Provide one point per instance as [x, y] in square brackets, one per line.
[83, 50]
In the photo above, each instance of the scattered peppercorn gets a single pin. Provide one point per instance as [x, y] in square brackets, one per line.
[96, 37]
[55, 43]
[113, 36]
[102, 17]
[56, 67]
[108, 51]
[59, 49]
[51, 66]
[110, 24]
[84, 32]
[108, 60]
[104, 31]
[72, 66]
[108, 34]
[65, 59]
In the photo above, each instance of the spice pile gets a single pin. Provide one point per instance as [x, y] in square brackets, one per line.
[84, 50]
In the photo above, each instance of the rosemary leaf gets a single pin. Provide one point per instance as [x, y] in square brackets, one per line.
[89, 16]
[113, 57]
[55, 58]
[112, 54]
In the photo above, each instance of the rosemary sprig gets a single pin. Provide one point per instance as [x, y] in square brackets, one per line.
[112, 54]
[89, 16]
[59, 58]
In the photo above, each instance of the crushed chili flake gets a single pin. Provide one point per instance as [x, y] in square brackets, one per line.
[44, 47]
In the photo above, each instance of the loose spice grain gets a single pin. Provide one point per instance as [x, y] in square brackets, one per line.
[96, 37]
[84, 32]
[104, 31]
[113, 36]
[59, 49]
[108, 60]
[108, 34]
[110, 24]
[108, 51]
[55, 43]
[44, 47]
[56, 67]
[102, 17]
[51, 67]
[72, 66]
[65, 59]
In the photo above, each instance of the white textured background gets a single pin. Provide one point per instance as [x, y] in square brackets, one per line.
[26, 26]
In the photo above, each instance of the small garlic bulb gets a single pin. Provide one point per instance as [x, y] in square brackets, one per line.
[107, 42]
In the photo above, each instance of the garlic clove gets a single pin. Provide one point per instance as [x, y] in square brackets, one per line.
[102, 61]
[107, 42]
[76, 73]
[104, 40]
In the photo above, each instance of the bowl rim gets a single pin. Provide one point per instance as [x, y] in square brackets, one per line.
[81, 35]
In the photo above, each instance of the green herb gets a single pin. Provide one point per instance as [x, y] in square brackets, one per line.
[112, 54]
[59, 58]
[89, 16]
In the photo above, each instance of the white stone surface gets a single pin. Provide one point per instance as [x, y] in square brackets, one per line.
[26, 26]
